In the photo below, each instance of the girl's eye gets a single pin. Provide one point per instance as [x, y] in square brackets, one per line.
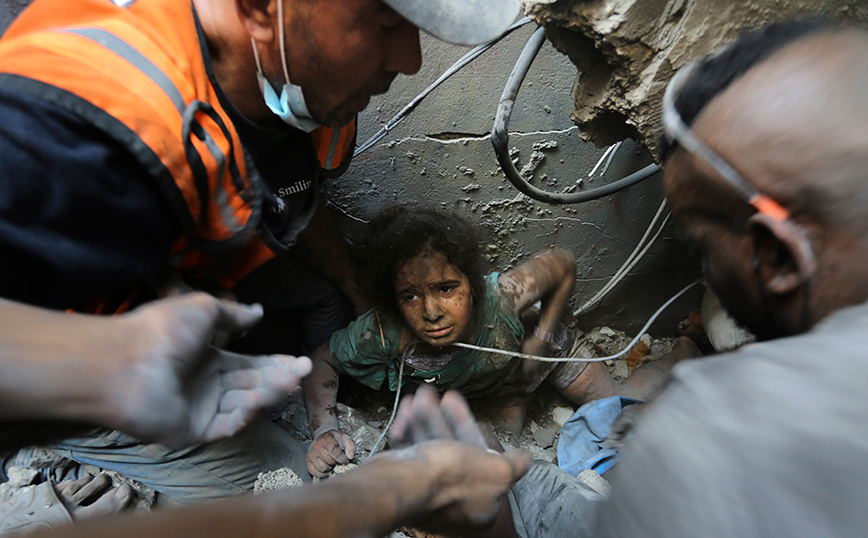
[446, 289]
[409, 297]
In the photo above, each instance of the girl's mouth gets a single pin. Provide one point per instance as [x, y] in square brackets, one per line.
[439, 333]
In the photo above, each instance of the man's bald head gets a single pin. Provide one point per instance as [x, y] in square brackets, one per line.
[793, 123]
[796, 125]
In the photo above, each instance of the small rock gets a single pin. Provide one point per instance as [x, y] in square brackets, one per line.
[621, 370]
[284, 478]
[545, 437]
[607, 331]
[345, 468]
[596, 482]
[561, 415]
[533, 427]
[21, 476]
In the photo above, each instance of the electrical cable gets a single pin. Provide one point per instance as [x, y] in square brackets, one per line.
[603, 158]
[634, 257]
[611, 158]
[397, 400]
[500, 139]
[464, 60]
[579, 359]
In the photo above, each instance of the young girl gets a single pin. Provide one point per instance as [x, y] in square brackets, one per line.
[425, 268]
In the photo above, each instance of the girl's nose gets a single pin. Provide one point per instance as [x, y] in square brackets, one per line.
[433, 312]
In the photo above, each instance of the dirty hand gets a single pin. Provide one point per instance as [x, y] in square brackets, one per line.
[178, 390]
[329, 449]
[424, 417]
[461, 486]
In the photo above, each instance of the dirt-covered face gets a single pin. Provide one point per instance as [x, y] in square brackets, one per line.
[435, 299]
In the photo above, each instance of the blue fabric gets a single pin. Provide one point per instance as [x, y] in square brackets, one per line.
[579, 443]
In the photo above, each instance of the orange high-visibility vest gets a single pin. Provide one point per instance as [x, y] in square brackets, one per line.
[138, 74]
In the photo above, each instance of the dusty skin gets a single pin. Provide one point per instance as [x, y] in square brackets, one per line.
[441, 486]
[437, 298]
[150, 373]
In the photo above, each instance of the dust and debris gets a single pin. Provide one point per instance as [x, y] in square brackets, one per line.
[344, 468]
[596, 482]
[608, 341]
[537, 157]
[626, 51]
[278, 479]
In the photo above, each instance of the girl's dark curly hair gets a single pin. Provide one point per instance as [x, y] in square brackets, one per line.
[397, 235]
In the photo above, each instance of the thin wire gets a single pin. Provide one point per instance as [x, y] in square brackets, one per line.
[611, 157]
[395, 406]
[464, 60]
[578, 359]
[620, 273]
[625, 270]
[603, 158]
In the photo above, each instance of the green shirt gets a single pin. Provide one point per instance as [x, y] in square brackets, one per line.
[360, 352]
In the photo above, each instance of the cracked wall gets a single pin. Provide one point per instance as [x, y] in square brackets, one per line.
[441, 156]
[627, 50]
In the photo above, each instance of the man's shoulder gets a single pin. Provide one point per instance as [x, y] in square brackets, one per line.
[783, 420]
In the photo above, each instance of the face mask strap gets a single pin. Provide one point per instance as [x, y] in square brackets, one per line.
[282, 40]
[256, 57]
[676, 130]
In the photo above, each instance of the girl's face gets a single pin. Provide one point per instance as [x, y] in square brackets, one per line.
[434, 298]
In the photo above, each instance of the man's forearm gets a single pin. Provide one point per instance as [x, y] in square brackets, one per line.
[55, 365]
[370, 501]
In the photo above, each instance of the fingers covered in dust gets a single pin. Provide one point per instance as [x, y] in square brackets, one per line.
[465, 483]
[330, 448]
[179, 390]
[91, 497]
[425, 417]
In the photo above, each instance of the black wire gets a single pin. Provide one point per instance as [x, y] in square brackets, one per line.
[500, 138]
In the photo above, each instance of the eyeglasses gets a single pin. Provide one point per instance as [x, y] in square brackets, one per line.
[676, 130]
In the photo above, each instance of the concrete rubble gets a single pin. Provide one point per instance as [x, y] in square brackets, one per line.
[627, 50]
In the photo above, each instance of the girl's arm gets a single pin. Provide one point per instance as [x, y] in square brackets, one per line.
[549, 278]
[330, 445]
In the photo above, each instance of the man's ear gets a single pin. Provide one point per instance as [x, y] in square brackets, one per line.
[783, 252]
[259, 17]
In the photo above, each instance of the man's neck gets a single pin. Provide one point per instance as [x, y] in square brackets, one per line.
[231, 54]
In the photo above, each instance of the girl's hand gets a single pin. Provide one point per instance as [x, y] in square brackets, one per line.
[329, 449]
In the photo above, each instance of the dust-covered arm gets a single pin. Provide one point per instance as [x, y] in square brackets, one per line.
[451, 484]
[548, 278]
[330, 445]
[150, 373]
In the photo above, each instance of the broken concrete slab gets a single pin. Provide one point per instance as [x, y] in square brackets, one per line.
[627, 50]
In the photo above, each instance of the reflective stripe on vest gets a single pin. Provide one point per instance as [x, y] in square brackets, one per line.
[190, 126]
[334, 146]
[141, 79]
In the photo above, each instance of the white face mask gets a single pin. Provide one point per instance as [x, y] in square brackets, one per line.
[290, 105]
